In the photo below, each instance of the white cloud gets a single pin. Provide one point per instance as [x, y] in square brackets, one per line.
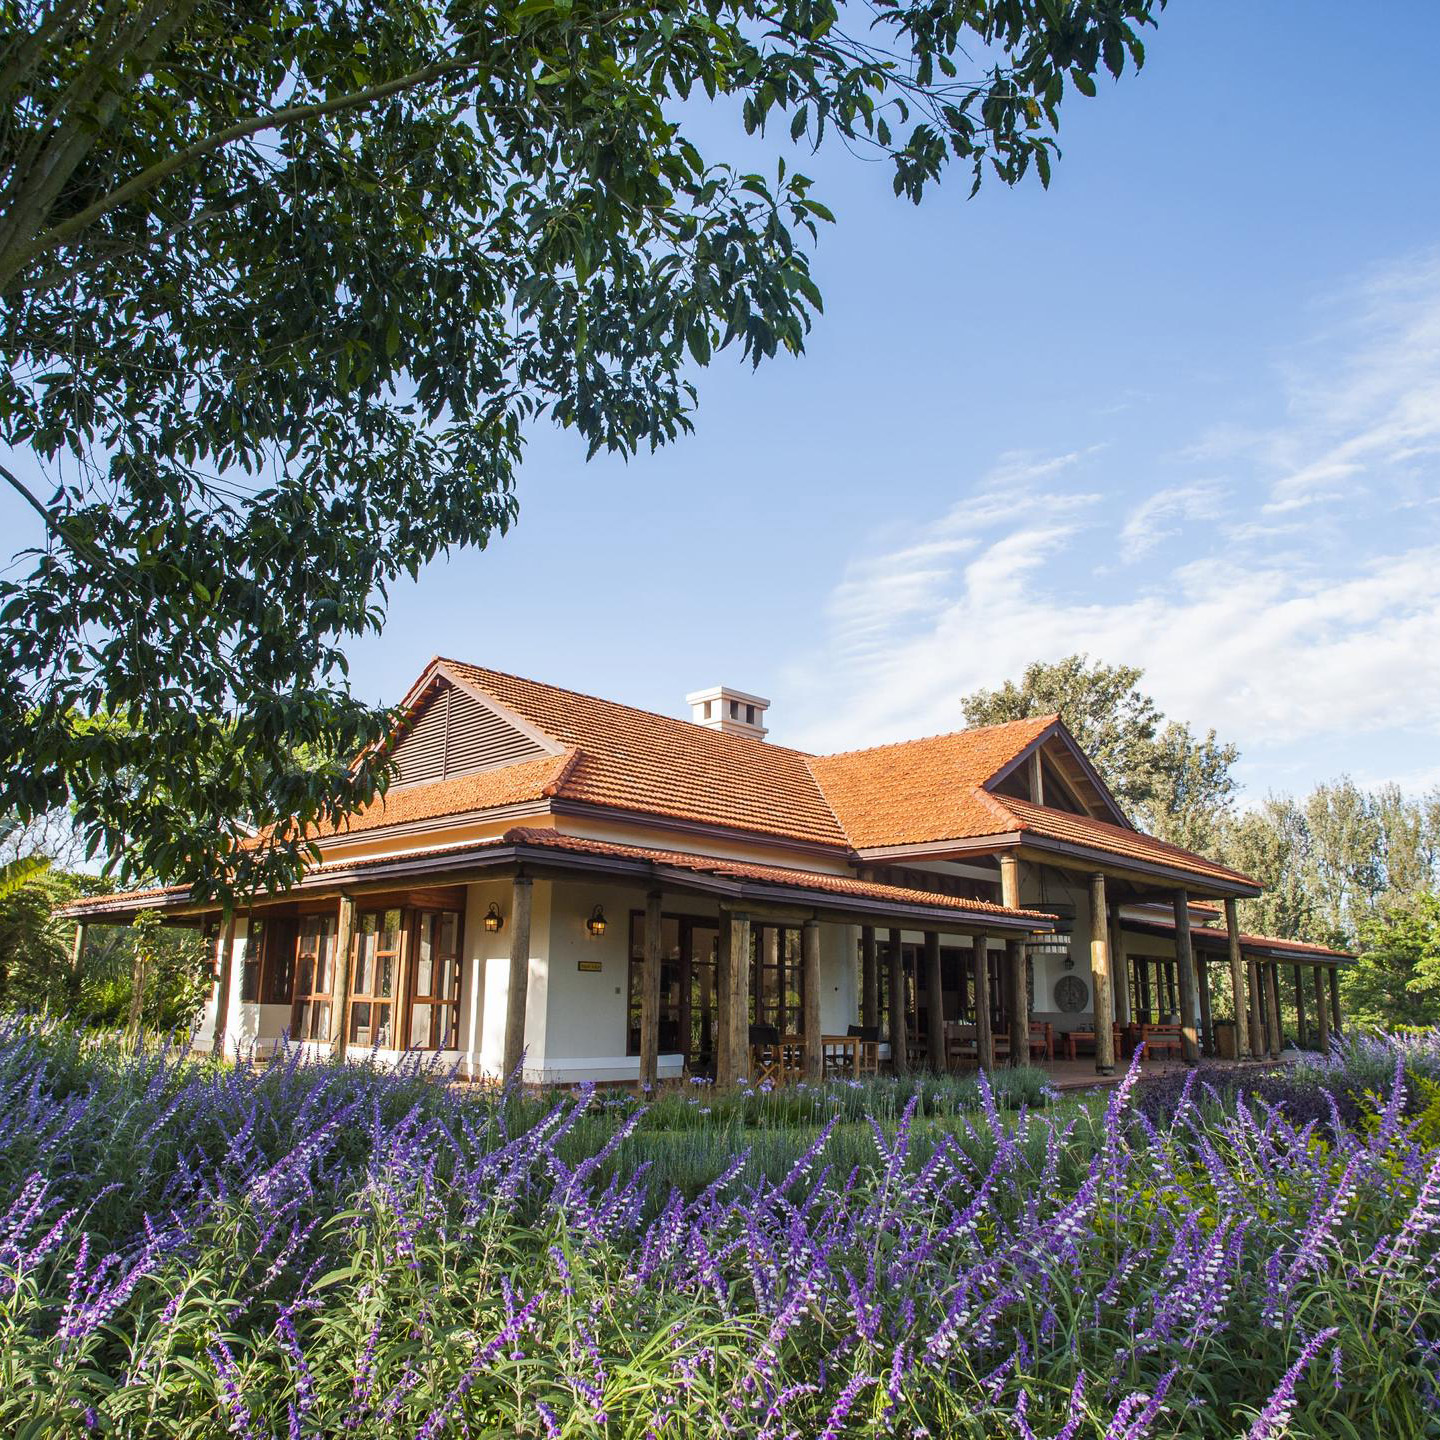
[1310, 612]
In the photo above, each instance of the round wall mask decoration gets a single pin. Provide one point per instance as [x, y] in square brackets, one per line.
[1071, 994]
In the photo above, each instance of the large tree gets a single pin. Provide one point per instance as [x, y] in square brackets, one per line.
[1178, 785]
[282, 286]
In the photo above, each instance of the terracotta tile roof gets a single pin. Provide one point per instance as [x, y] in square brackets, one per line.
[459, 794]
[767, 874]
[1099, 835]
[920, 790]
[636, 760]
[119, 900]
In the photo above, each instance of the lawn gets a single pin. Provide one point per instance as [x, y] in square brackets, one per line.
[317, 1249]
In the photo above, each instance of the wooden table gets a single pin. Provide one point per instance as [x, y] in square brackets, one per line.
[842, 1055]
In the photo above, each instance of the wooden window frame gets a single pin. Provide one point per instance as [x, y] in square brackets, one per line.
[436, 1001]
[393, 1002]
[329, 934]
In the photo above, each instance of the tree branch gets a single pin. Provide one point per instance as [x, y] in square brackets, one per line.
[250, 125]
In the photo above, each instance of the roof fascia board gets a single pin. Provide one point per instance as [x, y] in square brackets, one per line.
[943, 849]
[520, 809]
[585, 809]
[1219, 940]
[1085, 855]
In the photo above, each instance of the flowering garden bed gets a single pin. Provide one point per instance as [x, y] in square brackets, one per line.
[321, 1250]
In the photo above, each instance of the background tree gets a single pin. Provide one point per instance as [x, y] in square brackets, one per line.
[282, 287]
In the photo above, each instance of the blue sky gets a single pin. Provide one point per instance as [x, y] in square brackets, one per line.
[1181, 410]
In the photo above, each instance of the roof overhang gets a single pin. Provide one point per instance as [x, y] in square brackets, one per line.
[478, 859]
[1065, 855]
[1263, 947]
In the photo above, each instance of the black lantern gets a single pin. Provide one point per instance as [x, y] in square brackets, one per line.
[494, 920]
[596, 923]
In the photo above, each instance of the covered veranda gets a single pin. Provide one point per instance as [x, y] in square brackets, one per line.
[511, 954]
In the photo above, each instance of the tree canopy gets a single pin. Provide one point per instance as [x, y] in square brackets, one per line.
[283, 285]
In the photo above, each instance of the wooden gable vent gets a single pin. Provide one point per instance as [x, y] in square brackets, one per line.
[454, 734]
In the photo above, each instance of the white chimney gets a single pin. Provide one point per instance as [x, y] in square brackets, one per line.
[732, 712]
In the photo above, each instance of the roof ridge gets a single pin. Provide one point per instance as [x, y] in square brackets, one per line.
[938, 735]
[748, 740]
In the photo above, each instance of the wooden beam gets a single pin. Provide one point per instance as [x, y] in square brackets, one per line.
[1243, 1024]
[222, 994]
[1335, 1001]
[869, 979]
[518, 993]
[1322, 1010]
[1037, 777]
[810, 996]
[899, 1048]
[340, 996]
[1185, 965]
[984, 1037]
[1020, 1000]
[935, 990]
[1102, 1000]
[650, 995]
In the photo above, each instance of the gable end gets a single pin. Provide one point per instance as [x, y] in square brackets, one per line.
[454, 733]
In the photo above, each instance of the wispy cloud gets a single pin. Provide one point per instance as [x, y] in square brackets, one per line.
[1289, 607]
[1164, 513]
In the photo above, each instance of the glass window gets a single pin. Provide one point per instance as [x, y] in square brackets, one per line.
[314, 978]
[435, 986]
[250, 962]
[376, 961]
[277, 975]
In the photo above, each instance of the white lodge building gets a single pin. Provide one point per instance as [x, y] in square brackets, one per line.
[619, 895]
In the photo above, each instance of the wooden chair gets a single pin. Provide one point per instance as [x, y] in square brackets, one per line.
[1042, 1039]
[960, 1047]
[867, 1053]
[1161, 1040]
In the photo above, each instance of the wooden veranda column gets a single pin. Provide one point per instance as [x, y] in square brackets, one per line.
[1102, 999]
[650, 995]
[1020, 1003]
[518, 993]
[1207, 1020]
[1335, 1000]
[899, 1049]
[1018, 983]
[77, 958]
[810, 988]
[935, 992]
[1119, 968]
[739, 997]
[1185, 965]
[1272, 994]
[1299, 1008]
[222, 995]
[340, 998]
[724, 1055]
[1244, 1026]
[869, 979]
[984, 1031]
[1322, 1011]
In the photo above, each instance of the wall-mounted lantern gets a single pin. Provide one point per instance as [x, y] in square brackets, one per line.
[596, 923]
[494, 920]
